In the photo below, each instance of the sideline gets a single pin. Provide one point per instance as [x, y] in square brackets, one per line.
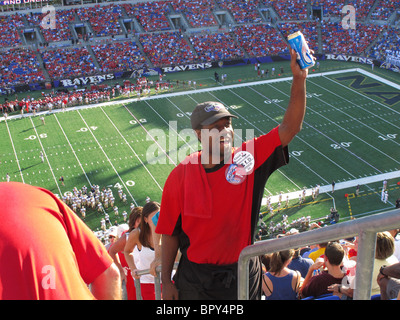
[338, 186]
[175, 94]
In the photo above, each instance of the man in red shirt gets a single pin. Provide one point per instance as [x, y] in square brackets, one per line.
[47, 252]
[211, 201]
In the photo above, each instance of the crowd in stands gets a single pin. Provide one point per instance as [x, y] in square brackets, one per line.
[155, 17]
[198, 13]
[103, 19]
[362, 7]
[243, 11]
[331, 8]
[167, 48]
[251, 37]
[216, 46]
[292, 10]
[384, 9]
[259, 40]
[61, 32]
[118, 56]
[352, 41]
[63, 63]
[9, 25]
[388, 43]
[19, 66]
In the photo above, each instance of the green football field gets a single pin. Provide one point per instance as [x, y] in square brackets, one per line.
[351, 135]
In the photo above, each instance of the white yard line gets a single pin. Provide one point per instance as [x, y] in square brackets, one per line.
[171, 128]
[387, 82]
[130, 147]
[108, 159]
[15, 153]
[340, 127]
[73, 151]
[47, 159]
[348, 115]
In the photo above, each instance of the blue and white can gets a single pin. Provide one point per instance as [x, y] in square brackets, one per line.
[299, 44]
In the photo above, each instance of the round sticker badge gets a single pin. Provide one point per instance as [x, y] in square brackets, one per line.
[243, 164]
[245, 159]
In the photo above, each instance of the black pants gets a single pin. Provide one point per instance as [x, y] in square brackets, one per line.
[213, 282]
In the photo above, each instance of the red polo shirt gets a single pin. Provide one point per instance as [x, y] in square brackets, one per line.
[218, 234]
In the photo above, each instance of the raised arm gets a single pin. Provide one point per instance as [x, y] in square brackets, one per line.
[294, 115]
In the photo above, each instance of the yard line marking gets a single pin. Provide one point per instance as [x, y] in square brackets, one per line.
[329, 138]
[148, 134]
[366, 97]
[44, 153]
[15, 153]
[162, 118]
[376, 116]
[73, 151]
[313, 127]
[130, 147]
[94, 137]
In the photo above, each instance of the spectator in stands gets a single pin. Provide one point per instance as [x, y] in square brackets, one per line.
[389, 281]
[199, 216]
[318, 284]
[117, 253]
[300, 264]
[280, 282]
[383, 257]
[395, 234]
[47, 252]
[140, 250]
[319, 252]
[68, 62]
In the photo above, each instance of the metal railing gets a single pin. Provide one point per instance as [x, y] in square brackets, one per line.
[365, 228]
[157, 282]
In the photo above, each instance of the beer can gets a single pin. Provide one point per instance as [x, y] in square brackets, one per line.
[299, 44]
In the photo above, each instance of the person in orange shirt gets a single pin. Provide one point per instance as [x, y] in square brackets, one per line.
[47, 252]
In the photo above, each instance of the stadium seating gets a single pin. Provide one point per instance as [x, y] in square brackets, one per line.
[243, 11]
[61, 32]
[259, 40]
[19, 66]
[167, 48]
[9, 25]
[68, 62]
[151, 15]
[198, 13]
[103, 19]
[249, 36]
[216, 46]
[118, 56]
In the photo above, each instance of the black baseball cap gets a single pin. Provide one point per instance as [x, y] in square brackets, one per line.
[208, 112]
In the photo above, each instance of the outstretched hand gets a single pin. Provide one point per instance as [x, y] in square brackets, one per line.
[296, 70]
